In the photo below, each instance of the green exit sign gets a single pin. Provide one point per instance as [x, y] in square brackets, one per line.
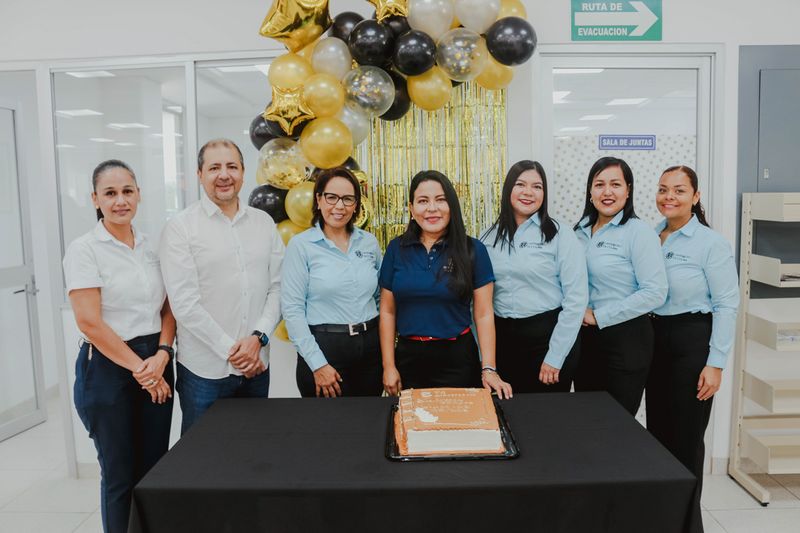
[627, 20]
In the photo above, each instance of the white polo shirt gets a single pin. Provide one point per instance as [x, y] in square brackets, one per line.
[223, 281]
[131, 291]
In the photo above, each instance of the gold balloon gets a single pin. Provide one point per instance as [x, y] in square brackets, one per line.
[289, 71]
[324, 95]
[288, 229]
[296, 23]
[388, 8]
[288, 108]
[326, 142]
[431, 90]
[495, 75]
[299, 202]
[280, 332]
[512, 8]
[364, 214]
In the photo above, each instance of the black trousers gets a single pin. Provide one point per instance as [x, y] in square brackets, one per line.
[522, 345]
[129, 431]
[616, 359]
[357, 358]
[674, 414]
[441, 363]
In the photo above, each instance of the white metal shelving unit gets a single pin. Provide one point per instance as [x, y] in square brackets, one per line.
[766, 429]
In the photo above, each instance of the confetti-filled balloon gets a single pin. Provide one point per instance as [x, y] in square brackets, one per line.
[281, 164]
[461, 54]
[371, 88]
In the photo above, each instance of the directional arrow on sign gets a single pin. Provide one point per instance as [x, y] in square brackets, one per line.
[643, 18]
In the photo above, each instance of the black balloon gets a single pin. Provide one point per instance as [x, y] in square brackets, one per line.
[511, 40]
[414, 53]
[350, 164]
[343, 24]
[371, 44]
[261, 132]
[401, 103]
[398, 25]
[270, 200]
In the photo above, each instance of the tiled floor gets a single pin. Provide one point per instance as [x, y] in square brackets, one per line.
[36, 496]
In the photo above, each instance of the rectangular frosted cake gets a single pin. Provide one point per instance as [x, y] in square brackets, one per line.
[447, 421]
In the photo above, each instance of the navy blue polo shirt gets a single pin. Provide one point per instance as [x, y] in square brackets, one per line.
[424, 304]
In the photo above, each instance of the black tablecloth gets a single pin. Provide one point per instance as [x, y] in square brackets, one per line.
[313, 465]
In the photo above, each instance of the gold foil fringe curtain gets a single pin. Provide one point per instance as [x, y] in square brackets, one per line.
[465, 140]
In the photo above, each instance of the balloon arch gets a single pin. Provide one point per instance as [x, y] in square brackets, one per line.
[330, 87]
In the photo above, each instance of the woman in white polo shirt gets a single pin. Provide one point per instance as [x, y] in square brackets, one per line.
[123, 375]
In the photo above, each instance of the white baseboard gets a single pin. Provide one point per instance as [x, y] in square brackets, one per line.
[719, 465]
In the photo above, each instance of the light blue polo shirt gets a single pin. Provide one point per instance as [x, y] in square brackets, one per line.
[702, 278]
[626, 272]
[322, 285]
[534, 276]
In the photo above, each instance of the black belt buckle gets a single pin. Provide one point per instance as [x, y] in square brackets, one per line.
[353, 332]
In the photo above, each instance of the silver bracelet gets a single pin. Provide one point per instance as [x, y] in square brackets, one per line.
[489, 369]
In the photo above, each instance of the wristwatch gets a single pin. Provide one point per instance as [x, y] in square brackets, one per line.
[262, 337]
[168, 349]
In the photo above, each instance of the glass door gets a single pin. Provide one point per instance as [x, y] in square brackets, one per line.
[21, 382]
[653, 112]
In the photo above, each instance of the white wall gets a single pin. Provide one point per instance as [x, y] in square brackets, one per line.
[50, 29]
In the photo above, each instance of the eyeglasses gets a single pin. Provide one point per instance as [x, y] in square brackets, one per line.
[348, 200]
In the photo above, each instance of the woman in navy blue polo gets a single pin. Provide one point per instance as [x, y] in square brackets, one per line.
[429, 277]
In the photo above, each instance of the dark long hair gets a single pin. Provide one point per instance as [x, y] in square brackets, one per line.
[457, 245]
[506, 224]
[322, 180]
[589, 209]
[697, 209]
[108, 165]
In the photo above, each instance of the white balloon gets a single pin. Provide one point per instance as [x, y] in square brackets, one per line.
[477, 15]
[332, 56]
[433, 17]
[356, 120]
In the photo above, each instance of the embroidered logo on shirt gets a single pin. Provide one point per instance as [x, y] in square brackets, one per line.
[608, 245]
[677, 257]
[530, 245]
[448, 267]
[365, 255]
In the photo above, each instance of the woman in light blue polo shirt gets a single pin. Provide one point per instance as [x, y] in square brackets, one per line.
[540, 291]
[694, 329]
[329, 295]
[429, 278]
[626, 282]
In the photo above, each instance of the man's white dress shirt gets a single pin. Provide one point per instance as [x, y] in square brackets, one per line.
[223, 281]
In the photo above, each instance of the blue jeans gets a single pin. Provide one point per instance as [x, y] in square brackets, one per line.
[129, 431]
[196, 394]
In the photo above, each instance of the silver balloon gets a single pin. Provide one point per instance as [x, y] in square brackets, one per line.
[433, 17]
[356, 120]
[477, 15]
[332, 56]
[371, 88]
[461, 54]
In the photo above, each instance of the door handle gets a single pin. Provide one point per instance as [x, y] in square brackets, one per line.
[18, 292]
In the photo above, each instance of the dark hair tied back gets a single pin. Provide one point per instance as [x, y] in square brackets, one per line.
[697, 209]
[104, 166]
[589, 210]
[322, 179]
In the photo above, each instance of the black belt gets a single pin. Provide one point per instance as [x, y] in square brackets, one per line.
[684, 317]
[352, 329]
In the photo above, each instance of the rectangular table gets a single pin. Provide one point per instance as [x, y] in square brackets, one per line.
[313, 465]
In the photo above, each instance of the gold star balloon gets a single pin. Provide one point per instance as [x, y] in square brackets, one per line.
[388, 8]
[296, 23]
[288, 108]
